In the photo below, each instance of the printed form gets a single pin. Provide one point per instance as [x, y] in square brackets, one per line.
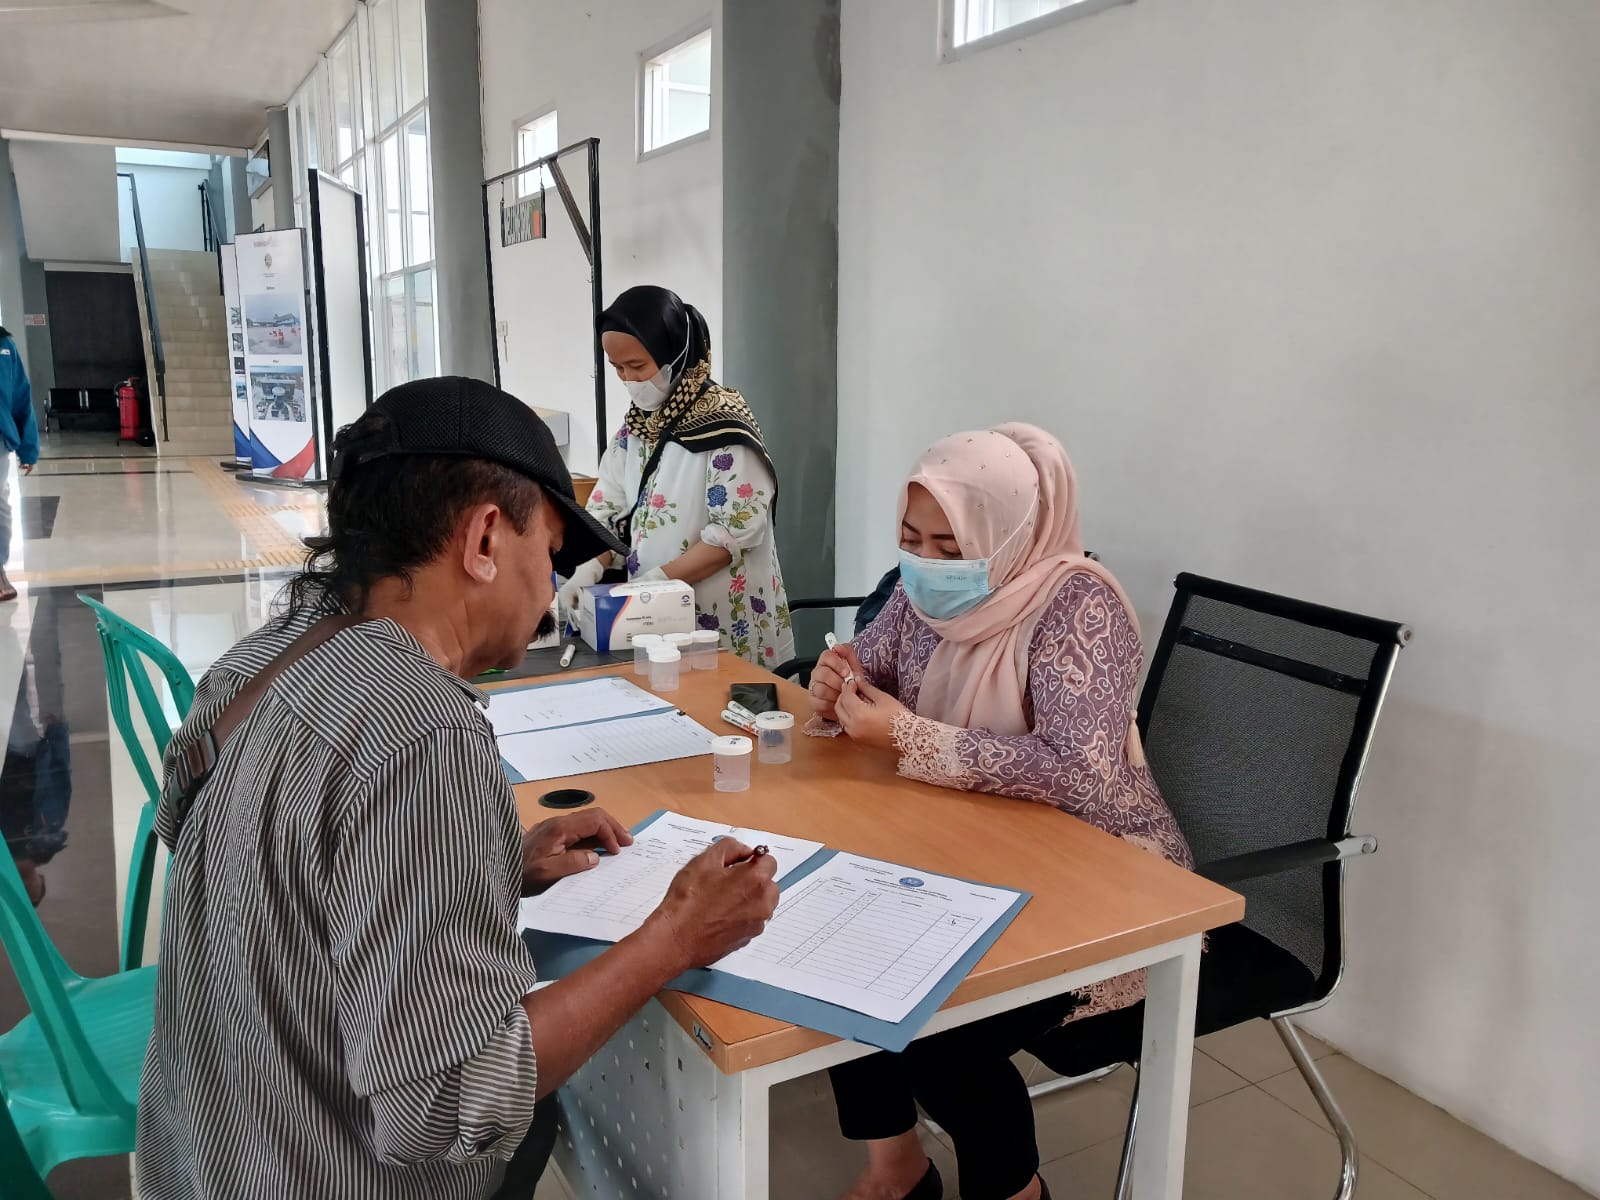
[612, 900]
[869, 935]
[556, 730]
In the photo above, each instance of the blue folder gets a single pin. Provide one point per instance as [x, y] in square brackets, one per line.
[558, 955]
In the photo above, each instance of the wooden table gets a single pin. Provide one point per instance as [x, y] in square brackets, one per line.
[1100, 907]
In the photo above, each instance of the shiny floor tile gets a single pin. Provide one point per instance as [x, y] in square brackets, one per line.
[1242, 1146]
[1426, 1145]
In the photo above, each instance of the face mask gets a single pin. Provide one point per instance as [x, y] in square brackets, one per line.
[941, 589]
[649, 394]
[944, 588]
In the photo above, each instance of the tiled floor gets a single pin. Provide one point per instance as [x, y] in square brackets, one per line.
[196, 558]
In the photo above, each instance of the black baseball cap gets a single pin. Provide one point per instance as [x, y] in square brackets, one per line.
[468, 418]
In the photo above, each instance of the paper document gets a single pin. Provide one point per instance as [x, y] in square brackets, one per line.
[559, 705]
[612, 900]
[603, 746]
[869, 935]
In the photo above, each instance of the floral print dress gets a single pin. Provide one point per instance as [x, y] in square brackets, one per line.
[722, 497]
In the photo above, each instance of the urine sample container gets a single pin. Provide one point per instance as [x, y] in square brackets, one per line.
[641, 651]
[730, 763]
[665, 662]
[775, 736]
[703, 650]
[683, 641]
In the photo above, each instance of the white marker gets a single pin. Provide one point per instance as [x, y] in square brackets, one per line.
[566, 655]
[738, 722]
[833, 644]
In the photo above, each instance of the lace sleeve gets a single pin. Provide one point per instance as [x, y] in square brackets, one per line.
[876, 647]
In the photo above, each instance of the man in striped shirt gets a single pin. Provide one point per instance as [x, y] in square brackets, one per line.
[344, 1006]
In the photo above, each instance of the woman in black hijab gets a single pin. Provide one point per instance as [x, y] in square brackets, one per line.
[687, 483]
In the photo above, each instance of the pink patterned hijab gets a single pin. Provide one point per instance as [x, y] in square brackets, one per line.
[1011, 497]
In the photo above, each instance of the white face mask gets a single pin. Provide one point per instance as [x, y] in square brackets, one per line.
[650, 394]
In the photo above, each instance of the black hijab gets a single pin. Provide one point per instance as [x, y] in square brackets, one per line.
[699, 414]
[673, 332]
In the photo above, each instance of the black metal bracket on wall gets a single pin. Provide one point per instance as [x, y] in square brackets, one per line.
[588, 234]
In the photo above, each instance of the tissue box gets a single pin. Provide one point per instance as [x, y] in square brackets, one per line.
[610, 614]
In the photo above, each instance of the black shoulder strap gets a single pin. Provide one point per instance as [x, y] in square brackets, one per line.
[625, 526]
[192, 766]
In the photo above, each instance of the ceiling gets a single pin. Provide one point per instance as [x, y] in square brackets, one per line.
[195, 71]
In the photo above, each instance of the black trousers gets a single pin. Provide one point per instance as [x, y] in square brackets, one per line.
[532, 1155]
[964, 1079]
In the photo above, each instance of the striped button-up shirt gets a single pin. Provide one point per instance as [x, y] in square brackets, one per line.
[338, 1009]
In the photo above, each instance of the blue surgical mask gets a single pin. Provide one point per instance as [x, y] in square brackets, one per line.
[943, 588]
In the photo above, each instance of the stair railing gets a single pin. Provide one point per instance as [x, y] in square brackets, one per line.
[151, 316]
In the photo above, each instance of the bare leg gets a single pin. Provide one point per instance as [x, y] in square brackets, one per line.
[894, 1166]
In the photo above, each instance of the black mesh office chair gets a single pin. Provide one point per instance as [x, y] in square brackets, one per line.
[1257, 717]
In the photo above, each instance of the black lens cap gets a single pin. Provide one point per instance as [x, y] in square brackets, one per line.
[566, 798]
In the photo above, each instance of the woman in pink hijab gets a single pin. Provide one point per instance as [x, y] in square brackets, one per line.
[1005, 662]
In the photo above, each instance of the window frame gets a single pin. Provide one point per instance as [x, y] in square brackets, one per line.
[703, 28]
[950, 51]
[524, 186]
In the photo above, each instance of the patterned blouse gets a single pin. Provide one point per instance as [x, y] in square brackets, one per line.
[721, 497]
[1085, 660]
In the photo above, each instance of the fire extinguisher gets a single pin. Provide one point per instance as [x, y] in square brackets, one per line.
[128, 410]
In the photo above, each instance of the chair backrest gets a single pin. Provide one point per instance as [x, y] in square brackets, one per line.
[127, 649]
[44, 977]
[1257, 717]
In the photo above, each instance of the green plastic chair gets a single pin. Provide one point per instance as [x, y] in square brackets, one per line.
[69, 1071]
[126, 646]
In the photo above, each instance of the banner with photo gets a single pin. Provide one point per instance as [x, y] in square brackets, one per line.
[238, 381]
[275, 357]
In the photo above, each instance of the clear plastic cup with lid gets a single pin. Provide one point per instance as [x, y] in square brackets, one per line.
[775, 735]
[703, 650]
[730, 764]
[665, 663]
[641, 651]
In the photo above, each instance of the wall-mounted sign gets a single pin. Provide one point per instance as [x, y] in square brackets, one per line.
[37, 318]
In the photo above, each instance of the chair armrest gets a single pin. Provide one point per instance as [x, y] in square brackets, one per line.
[1260, 863]
[794, 668]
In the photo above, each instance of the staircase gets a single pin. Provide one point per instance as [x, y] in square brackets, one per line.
[194, 337]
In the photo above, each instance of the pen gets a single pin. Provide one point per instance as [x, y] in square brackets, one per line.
[751, 857]
[566, 655]
[740, 711]
[833, 644]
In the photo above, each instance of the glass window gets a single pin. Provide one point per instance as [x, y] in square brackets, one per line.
[383, 61]
[675, 93]
[395, 328]
[413, 81]
[389, 182]
[973, 20]
[424, 356]
[420, 248]
[343, 94]
[536, 139]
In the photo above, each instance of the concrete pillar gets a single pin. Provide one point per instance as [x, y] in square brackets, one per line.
[282, 166]
[11, 252]
[238, 188]
[780, 258]
[455, 139]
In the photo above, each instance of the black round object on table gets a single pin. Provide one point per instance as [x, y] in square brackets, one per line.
[566, 798]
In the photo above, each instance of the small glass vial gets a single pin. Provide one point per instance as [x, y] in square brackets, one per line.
[776, 733]
[730, 764]
[703, 655]
[665, 662]
[641, 651]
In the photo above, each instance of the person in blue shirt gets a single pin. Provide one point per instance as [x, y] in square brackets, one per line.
[19, 433]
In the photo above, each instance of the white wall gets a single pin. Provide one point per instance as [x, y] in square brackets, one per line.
[661, 220]
[1310, 291]
[67, 193]
[169, 203]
